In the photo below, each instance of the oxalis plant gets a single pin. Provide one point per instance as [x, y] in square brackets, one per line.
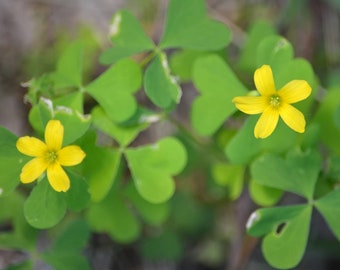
[87, 169]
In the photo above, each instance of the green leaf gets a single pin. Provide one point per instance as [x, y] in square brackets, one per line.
[286, 232]
[72, 239]
[11, 162]
[274, 51]
[75, 124]
[164, 247]
[230, 176]
[329, 209]
[159, 85]
[100, 168]
[324, 117]
[152, 168]
[297, 173]
[282, 139]
[218, 85]
[112, 216]
[72, 100]
[44, 207]
[187, 26]
[124, 135]
[127, 36]
[20, 236]
[78, 196]
[114, 89]
[263, 195]
[67, 261]
[153, 214]
[296, 69]
[257, 32]
[69, 67]
[182, 63]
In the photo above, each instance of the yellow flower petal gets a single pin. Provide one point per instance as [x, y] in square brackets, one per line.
[71, 155]
[57, 177]
[31, 146]
[295, 91]
[264, 81]
[33, 169]
[266, 123]
[293, 118]
[54, 134]
[251, 105]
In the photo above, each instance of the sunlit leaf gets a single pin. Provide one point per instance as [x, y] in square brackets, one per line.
[218, 85]
[44, 207]
[286, 231]
[114, 89]
[153, 166]
[297, 173]
[160, 86]
[127, 37]
[188, 26]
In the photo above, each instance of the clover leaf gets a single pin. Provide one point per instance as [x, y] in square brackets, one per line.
[297, 173]
[188, 26]
[114, 89]
[217, 85]
[286, 232]
[127, 36]
[160, 86]
[152, 168]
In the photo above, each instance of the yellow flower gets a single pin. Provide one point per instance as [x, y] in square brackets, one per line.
[49, 156]
[274, 104]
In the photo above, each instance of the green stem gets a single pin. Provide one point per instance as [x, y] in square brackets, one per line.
[148, 58]
[208, 148]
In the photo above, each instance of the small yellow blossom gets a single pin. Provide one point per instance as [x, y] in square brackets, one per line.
[49, 156]
[274, 103]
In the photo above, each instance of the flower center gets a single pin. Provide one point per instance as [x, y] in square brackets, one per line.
[274, 101]
[51, 156]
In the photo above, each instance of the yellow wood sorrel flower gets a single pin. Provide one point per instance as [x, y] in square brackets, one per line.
[274, 104]
[49, 156]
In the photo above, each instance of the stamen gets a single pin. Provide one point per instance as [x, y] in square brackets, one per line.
[51, 156]
[274, 101]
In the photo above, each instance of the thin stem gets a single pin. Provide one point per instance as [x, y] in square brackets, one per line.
[148, 58]
[208, 148]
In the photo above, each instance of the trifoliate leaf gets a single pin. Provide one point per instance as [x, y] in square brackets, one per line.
[123, 134]
[329, 209]
[127, 36]
[160, 86]
[44, 207]
[114, 89]
[69, 67]
[297, 173]
[286, 232]
[218, 85]
[187, 26]
[153, 166]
